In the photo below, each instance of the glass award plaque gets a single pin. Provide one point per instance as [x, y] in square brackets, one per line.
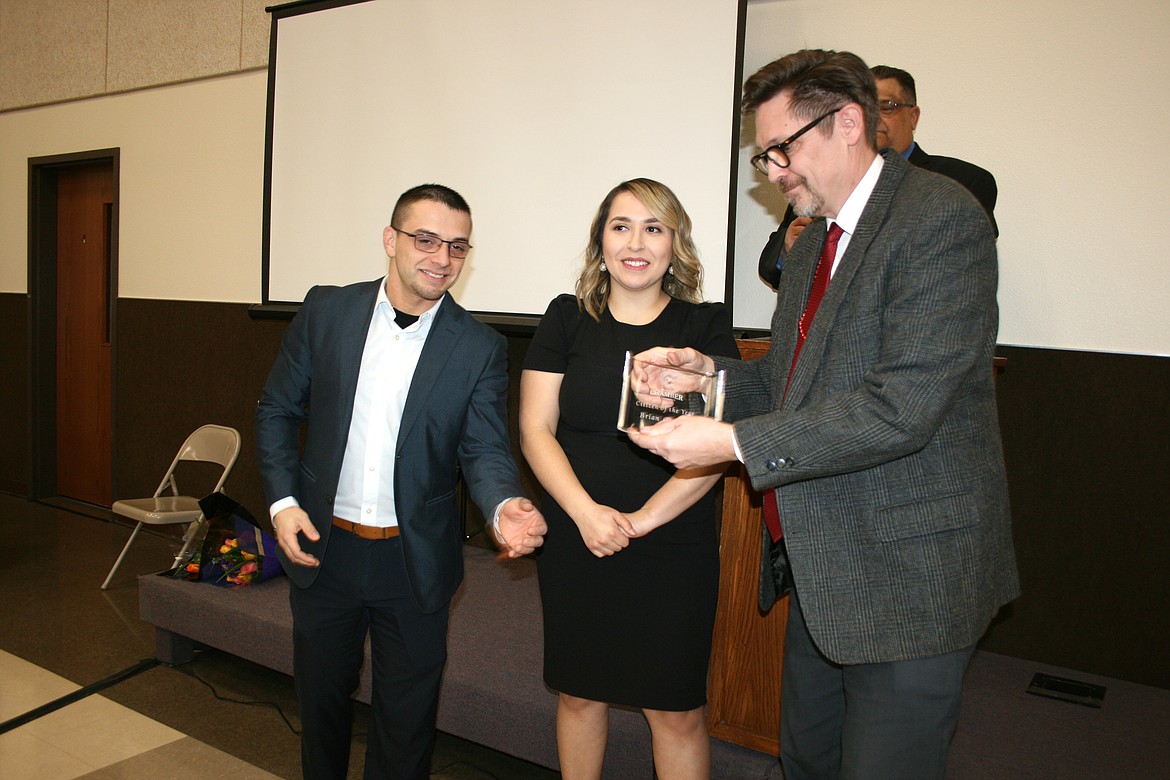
[652, 392]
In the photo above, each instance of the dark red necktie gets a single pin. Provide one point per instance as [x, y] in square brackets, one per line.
[820, 284]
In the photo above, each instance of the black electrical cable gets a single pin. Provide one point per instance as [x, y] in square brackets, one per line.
[150, 663]
[78, 695]
[190, 672]
[461, 762]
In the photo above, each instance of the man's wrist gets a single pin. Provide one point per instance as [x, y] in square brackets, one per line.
[495, 521]
[735, 445]
[281, 505]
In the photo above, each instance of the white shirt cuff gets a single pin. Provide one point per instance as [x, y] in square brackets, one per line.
[283, 503]
[495, 524]
[735, 445]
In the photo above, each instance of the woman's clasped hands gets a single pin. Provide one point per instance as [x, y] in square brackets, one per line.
[604, 530]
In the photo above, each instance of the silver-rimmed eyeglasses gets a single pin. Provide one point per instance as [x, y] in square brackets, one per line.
[890, 106]
[778, 155]
[430, 243]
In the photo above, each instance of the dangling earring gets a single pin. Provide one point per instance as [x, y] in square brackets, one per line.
[603, 268]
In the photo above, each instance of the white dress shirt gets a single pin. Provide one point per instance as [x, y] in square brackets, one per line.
[850, 213]
[365, 489]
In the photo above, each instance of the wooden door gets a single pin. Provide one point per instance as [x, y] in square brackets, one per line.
[85, 196]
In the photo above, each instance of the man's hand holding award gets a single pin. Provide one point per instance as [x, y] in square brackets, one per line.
[661, 384]
[672, 404]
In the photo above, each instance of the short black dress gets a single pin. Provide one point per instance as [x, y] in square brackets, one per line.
[633, 628]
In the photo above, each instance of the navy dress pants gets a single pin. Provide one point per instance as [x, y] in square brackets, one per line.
[363, 588]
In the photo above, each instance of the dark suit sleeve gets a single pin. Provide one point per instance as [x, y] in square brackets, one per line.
[283, 407]
[984, 189]
[484, 453]
[974, 179]
[772, 258]
[978, 181]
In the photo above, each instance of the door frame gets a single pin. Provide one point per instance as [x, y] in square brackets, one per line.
[42, 315]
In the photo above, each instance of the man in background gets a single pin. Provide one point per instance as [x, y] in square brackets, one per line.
[898, 119]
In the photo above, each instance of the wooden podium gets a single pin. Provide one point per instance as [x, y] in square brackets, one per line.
[743, 696]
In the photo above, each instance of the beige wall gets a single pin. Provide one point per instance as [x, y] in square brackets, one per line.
[56, 50]
[192, 174]
[77, 75]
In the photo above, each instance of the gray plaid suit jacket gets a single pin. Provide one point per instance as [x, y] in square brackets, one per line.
[885, 453]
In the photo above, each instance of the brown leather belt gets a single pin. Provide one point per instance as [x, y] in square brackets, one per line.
[367, 531]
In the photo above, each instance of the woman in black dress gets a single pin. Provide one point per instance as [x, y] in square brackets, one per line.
[629, 572]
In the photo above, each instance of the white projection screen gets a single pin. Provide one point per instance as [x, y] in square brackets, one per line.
[1004, 84]
[533, 110]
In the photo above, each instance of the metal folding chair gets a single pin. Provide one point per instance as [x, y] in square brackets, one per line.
[210, 444]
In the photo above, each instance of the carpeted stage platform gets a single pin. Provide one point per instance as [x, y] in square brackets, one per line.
[493, 692]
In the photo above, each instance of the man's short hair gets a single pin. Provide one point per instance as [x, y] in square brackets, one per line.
[436, 192]
[818, 82]
[904, 79]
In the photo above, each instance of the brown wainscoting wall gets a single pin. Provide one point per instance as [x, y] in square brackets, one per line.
[179, 365]
[1087, 442]
[14, 394]
[1086, 436]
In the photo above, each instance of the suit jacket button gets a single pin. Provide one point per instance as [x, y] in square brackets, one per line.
[772, 465]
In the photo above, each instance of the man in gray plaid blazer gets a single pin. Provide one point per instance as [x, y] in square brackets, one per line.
[879, 440]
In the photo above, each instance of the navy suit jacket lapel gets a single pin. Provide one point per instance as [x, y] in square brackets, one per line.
[353, 325]
[441, 342]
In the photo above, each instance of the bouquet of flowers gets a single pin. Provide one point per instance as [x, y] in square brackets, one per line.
[234, 563]
[234, 551]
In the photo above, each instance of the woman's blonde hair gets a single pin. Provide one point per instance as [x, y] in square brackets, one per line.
[685, 278]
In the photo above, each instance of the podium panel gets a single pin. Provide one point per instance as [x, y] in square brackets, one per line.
[743, 700]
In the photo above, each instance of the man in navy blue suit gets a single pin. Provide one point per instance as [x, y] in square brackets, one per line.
[402, 390]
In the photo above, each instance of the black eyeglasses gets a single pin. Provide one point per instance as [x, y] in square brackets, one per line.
[778, 155]
[890, 106]
[430, 243]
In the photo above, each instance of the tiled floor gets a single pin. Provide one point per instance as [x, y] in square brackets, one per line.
[216, 716]
[93, 737]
